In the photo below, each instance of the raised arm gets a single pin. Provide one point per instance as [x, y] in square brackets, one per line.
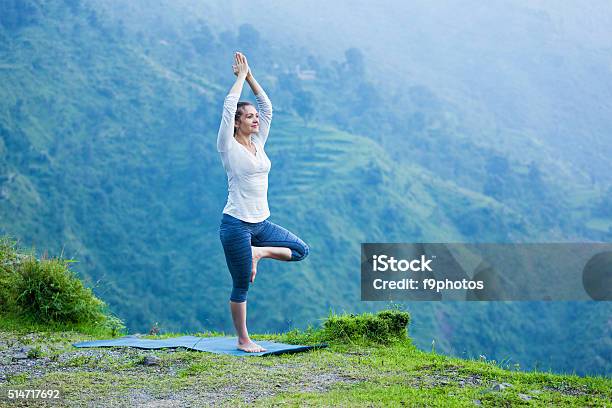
[264, 107]
[230, 105]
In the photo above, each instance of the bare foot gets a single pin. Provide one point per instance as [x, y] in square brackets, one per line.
[250, 347]
[257, 255]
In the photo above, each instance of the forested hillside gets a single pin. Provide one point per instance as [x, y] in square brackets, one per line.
[108, 124]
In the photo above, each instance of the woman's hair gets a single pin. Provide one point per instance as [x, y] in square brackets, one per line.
[240, 110]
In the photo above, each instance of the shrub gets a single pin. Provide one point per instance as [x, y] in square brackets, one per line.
[47, 291]
[397, 322]
[10, 260]
[383, 327]
[50, 292]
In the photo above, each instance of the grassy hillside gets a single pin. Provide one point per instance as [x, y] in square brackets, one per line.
[370, 359]
[107, 154]
[347, 373]
[44, 308]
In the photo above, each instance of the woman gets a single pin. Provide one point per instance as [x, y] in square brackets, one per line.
[246, 234]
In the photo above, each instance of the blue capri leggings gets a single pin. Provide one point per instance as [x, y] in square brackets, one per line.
[238, 236]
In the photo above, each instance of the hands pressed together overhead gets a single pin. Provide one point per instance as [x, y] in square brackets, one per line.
[241, 66]
[243, 72]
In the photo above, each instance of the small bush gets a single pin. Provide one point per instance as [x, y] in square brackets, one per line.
[47, 291]
[383, 327]
[10, 260]
[397, 322]
[50, 292]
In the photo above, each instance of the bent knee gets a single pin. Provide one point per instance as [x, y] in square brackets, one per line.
[302, 253]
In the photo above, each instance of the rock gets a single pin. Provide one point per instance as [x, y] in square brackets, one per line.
[20, 356]
[501, 387]
[524, 397]
[477, 402]
[151, 360]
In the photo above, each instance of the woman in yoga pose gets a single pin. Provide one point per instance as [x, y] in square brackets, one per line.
[246, 234]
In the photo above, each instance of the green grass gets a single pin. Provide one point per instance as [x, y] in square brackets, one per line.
[360, 367]
[369, 361]
[343, 374]
[399, 374]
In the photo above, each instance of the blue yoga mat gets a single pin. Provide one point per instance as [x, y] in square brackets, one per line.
[219, 345]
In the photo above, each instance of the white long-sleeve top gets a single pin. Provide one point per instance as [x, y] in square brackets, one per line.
[247, 174]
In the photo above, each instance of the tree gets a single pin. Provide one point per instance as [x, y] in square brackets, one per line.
[368, 96]
[303, 103]
[203, 40]
[354, 64]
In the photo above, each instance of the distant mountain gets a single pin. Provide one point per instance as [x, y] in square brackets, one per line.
[527, 72]
[107, 153]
